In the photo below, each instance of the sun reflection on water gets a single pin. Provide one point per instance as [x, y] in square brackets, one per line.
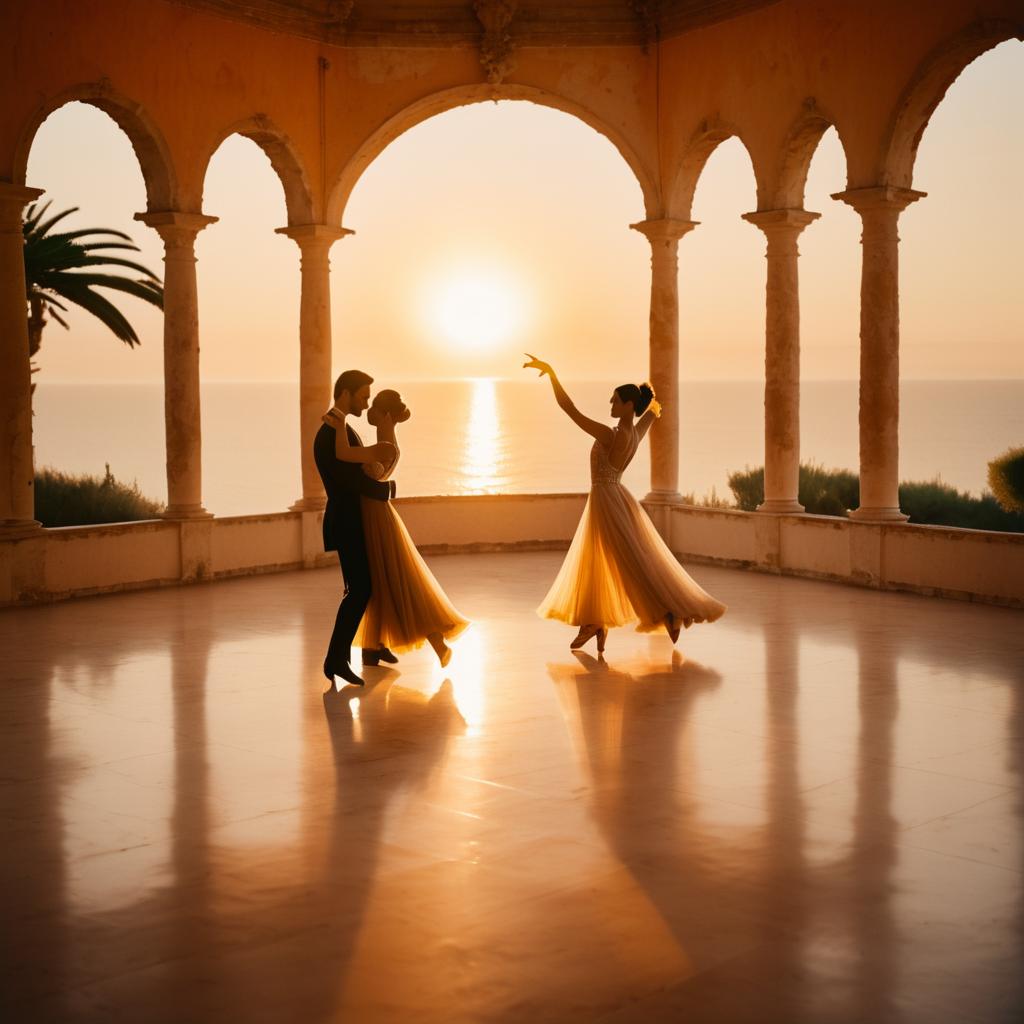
[485, 447]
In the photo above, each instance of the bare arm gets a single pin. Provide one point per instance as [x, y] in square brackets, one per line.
[647, 420]
[345, 452]
[386, 436]
[601, 431]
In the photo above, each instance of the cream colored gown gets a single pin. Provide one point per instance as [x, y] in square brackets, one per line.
[618, 569]
[407, 603]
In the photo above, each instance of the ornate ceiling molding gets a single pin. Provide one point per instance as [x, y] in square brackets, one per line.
[496, 46]
[508, 25]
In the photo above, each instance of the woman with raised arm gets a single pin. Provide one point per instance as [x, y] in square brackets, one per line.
[407, 605]
[618, 569]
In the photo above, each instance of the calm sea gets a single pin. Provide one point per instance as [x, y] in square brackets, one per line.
[490, 436]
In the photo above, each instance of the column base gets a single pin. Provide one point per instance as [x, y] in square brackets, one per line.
[665, 497]
[185, 512]
[19, 529]
[878, 515]
[781, 507]
[314, 503]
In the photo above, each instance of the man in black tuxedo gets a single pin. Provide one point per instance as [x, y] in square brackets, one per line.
[344, 483]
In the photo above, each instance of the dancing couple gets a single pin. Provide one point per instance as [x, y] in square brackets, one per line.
[618, 570]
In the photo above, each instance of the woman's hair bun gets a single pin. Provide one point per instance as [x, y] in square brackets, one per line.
[385, 402]
[641, 395]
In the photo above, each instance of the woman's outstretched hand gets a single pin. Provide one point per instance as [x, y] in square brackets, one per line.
[538, 364]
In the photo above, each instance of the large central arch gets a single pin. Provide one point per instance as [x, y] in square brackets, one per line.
[461, 96]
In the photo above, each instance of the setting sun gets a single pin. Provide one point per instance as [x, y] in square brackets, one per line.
[477, 309]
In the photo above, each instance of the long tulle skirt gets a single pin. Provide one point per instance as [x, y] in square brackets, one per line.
[407, 603]
[619, 570]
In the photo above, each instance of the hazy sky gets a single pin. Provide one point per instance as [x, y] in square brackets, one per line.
[526, 210]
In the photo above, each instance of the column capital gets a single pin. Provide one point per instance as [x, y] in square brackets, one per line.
[879, 197]
[18, 195]
[313, 235]
[664, 229]
[173, 226]
[13, 200]
[780, 221]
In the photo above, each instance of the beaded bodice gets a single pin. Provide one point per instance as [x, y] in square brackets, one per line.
[601, 469]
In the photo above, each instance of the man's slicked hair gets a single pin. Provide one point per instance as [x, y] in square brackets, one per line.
[351, 381]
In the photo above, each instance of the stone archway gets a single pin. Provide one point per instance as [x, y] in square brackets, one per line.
[926, 88]
[786, 191]
[710, 134]
[438, 103]
[147, 141]
[279, 149]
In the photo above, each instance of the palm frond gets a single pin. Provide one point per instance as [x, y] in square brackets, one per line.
[56, 316]
[33, 214]
[42, 229]
[50, 300]
[74, 260]
[104, 311]
[82, 232]
[148, 291]
[98, 246]
[54, 263]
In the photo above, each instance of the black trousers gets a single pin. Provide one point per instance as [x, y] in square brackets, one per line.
[356, 569]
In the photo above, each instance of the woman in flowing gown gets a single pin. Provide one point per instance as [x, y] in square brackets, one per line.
[407, 604]
[618, 569]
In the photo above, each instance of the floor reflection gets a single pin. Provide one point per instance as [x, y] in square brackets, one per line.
[810, 812]
[387, 740]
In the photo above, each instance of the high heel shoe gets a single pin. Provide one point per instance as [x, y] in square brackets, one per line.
[670, 628]
[585, 633]
[441, 649]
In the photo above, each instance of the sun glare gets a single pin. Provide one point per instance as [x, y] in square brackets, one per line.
[478, 310]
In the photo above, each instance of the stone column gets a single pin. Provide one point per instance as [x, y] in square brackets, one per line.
[879, 209]
[17, 475]
[664, 235]
[315, 385]
[782, 357]
[181, 361]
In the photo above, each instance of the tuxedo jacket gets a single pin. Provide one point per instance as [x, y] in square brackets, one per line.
[345, 483]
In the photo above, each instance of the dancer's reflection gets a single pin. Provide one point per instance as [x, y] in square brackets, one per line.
[632, 735]
[389, 740]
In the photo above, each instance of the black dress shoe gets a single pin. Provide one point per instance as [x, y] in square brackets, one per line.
[345, 672]
[377, 655]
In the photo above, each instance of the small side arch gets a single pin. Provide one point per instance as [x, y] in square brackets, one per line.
[284, 158]
[927, 87]
[132, 118]
[708, 136]
[801, 143]
[449, 99]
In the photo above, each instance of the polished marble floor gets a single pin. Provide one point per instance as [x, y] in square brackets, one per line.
[811, 811]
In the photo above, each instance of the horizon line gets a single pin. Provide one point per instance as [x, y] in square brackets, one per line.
[65, 381]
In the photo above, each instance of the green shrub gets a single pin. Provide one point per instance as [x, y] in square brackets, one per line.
[1006, 478]
[939, 504]
[832, 492]
[66, 500]
[711, 500]
[823, 492]
[747, 486]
